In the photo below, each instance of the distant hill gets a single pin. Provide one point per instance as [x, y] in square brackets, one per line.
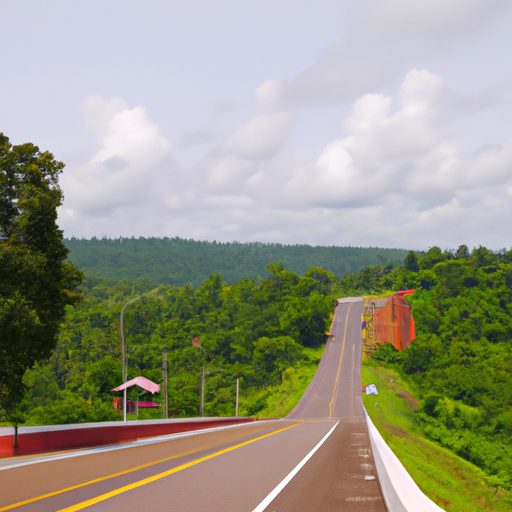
[176, 261]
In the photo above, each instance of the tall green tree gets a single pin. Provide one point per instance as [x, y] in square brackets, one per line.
[411, 262]
[36, 281]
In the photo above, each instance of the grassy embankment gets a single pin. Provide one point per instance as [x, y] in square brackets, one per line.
[451, 482]
[277, 401]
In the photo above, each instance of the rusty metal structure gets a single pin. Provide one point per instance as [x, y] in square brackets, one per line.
[388, 320]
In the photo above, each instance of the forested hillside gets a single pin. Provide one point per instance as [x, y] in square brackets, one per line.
[176, 261]
[461, 360]
[260, 332]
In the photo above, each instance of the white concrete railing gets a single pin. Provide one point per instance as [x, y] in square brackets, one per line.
[399, 489]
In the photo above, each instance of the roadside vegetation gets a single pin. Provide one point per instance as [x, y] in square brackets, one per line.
[453, 483]
[270, 334]
[459, 369]
[282, 398]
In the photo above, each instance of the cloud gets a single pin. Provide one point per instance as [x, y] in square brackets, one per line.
[395, 19]
[244, 153]
[391, 144]
[130, 169]
[258, 139]
[100, 111]
[387, 38]
[397, 175]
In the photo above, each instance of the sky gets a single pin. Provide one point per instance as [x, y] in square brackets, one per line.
[330, 122]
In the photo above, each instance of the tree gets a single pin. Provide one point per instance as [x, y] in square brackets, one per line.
[432, 258]
[36, 281]
[411, 262]
[273, 355]
[462, 253]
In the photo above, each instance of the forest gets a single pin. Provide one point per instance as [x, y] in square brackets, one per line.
[175, 261]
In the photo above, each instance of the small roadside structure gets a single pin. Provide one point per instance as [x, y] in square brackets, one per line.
[133, 406]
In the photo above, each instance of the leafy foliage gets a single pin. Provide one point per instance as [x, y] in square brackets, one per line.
[36, 283]
[258, 332]
[461, 359]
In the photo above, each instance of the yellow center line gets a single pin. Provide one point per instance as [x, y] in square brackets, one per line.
[334, 393]
[154, 478]
[108, 477]
[317, 421]
[352, 380]
[103, 478]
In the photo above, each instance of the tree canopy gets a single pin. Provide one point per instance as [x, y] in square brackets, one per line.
[36, 281]
[261, 332]
[175, 261]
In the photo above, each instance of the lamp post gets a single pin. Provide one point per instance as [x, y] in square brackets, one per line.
[123, 351]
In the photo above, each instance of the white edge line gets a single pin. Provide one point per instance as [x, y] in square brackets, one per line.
[108, 448]
[266, 502]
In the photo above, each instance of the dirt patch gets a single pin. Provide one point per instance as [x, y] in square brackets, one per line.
[440, 500]
[396, 431]
[410, 399]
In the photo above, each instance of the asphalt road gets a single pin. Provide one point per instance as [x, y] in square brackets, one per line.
[317, 459]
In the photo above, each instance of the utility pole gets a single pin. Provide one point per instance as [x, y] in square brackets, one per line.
[201, 405]
[237, 393]
[166, 386]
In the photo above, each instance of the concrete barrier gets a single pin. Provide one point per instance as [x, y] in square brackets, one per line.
[34, 440]
[400, 491]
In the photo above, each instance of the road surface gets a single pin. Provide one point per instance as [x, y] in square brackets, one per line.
[319, 458]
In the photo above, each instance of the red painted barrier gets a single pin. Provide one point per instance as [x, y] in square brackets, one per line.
[34, 440]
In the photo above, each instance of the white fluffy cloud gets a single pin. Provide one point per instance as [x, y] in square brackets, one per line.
[130, 170]
[231, 164]
[398, 176]
[401, 168]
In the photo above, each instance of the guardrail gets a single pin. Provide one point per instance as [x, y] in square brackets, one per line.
[35, 440]
[399, 490]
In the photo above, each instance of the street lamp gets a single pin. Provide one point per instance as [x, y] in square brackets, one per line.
[123, 351]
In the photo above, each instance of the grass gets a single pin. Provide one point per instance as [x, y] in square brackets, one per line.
[451, 482]
[277, 401]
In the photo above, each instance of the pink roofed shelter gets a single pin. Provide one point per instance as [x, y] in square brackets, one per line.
[142, 382]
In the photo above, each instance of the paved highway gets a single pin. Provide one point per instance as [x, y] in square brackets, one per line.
[317, 459]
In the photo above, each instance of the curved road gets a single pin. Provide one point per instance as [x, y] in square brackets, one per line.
[318, 458]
